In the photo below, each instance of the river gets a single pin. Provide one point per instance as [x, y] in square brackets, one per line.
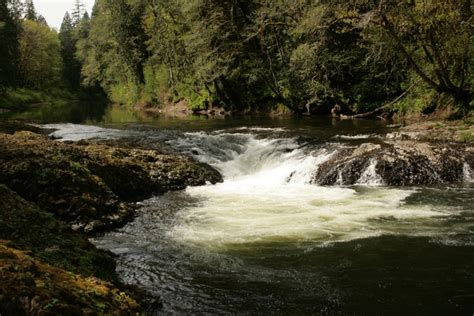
[268, 241]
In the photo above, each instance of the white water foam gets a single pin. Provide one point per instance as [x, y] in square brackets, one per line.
[370, 176]
[266, 197]
[75, 132]
[354, 137]
[467, 173]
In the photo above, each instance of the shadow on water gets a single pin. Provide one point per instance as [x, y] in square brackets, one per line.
[387, 274]
[99, 112]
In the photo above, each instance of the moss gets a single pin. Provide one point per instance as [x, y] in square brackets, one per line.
[466, 137]
[52, 175]
[86, 185]
[28, 227]
[31, 286]
[47, 187]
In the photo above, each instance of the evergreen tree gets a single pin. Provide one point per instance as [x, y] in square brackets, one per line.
[67, 37]
[77, 12]
[127, 30]
[30, 11]
[304, 54]
[41, 20]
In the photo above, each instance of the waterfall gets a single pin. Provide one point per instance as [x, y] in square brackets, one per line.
[340, 180]
[263, 160]
[370, 176]
[467, 173]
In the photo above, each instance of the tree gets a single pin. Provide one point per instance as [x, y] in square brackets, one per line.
[77, 12]
[219, 50]
[102, 64]
[126, 28]
[30, 11]
[72, 68]
[304, 54]
[435, 37]
[164, 25]
[40, 60]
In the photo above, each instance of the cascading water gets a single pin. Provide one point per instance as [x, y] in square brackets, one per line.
[370, 176]
[467, 172]
[267, 195]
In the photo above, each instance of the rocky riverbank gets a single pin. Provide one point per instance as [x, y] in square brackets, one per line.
[437, 131]
[52, 194]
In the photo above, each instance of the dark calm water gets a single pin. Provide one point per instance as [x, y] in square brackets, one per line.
[268, 242]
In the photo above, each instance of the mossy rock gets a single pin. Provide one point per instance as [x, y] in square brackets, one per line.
[399, 163]
[53, 176]
[88, 184]
[29, 228]
[29, 286]
[145, 167]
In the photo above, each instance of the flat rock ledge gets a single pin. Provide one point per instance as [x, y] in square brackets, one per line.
[90, 185]
[398, 163]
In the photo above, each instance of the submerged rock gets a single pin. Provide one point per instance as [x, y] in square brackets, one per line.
[398, 163]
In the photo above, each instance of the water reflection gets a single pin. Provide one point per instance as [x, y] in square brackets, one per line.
[98, 112]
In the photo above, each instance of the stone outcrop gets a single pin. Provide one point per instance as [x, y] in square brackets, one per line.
[88, 185]
[398, 163]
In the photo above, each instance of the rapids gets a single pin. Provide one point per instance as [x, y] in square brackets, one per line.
[267, 196]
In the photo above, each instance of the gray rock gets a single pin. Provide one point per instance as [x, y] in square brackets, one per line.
[398, 163]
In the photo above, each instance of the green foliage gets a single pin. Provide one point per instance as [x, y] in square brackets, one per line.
[73, 35]
[156, 83]
[38, 65]
[30, 11]
[40, 61]
[16, 98]
[251, 55]
[125, 93]
[239, 55]
[417, 100]
[197, 98]
[466, 137]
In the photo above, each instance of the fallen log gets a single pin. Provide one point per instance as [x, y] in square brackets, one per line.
[377, 111]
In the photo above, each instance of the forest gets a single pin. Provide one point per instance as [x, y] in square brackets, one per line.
[237, 157]
[414, 56]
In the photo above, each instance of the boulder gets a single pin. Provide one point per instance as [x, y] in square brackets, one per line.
[397, 163]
